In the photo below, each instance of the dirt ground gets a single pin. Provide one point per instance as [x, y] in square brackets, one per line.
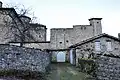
[59, 71]
[65, 71]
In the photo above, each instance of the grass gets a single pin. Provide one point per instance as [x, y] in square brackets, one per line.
[70, 76]
[66, 72]
[22, 74]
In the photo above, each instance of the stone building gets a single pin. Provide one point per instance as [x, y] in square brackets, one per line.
[62, 38]
[102, 44]
[18, 28]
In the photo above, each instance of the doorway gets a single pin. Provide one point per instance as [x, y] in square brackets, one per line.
[61, 57]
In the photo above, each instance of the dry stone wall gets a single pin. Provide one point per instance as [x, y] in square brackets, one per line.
[108, 68]
[21, 58]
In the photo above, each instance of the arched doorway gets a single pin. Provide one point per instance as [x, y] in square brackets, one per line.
[61, 57]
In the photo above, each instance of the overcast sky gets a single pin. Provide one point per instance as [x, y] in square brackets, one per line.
[66, 13]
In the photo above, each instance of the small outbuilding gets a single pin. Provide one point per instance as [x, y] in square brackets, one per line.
[102, 44]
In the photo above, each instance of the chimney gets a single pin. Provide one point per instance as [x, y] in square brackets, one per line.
[1, 4]
[119, 36]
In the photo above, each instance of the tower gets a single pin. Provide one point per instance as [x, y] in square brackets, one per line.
[96, 24]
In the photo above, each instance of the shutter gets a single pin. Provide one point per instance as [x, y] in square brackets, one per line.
[109, 46]
[97, 46]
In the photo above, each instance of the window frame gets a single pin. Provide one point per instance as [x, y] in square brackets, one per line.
[108, 45]
[97, 46]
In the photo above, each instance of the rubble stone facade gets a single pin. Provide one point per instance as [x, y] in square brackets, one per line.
[62, 38]
[20, 58]
[88, 50]
[17, 28]
[108, 68]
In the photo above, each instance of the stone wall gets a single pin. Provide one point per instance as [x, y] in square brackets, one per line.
[102, 68]
[88, 50]
[85, 51]
[44, 45]
[13, 25]
[39, 45]
[107, 62]
[38, 32]
[62, 38]
[20, 58]
[96, 23]
[82, 32]
[108, 68]
[8, 28]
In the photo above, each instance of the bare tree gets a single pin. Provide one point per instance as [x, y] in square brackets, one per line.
[23, 11]
[15, 26]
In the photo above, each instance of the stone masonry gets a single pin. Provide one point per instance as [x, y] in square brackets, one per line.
[88, 50]
[19, 28]
[62, 38]
[20, 58]
[108, 68]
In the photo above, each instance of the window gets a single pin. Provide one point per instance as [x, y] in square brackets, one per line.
[97, 46]
[67, 41]
[108, 46]
[83, 27]
[60, 42]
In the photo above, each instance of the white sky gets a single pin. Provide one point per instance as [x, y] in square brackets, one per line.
[66, 13]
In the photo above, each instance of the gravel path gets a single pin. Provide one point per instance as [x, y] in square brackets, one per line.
[65, 71]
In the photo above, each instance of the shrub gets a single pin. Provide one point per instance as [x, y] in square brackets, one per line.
[87, 65]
